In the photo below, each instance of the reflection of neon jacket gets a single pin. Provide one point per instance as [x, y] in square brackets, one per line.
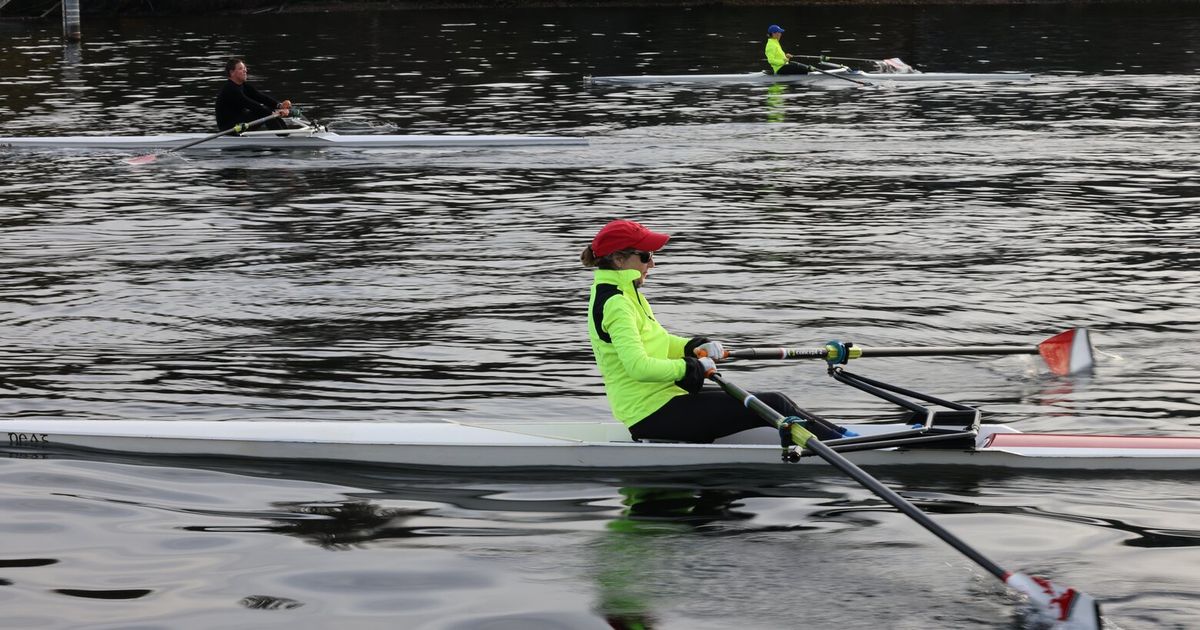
[639, 360]
[775, 55]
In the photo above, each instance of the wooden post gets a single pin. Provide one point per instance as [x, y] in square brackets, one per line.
[70, 13]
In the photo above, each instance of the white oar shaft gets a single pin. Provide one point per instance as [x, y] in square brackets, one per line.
[238, 128]
[1068, 352]
[921, 351]
[931, 351]
[828, 58]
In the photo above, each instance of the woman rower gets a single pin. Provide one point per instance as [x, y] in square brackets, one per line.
[654, 379]
[780, 62]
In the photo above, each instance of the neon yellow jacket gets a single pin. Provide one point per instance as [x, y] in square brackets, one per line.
[639, 360]
[775, 55]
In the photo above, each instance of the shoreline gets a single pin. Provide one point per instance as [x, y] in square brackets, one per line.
[48, 9]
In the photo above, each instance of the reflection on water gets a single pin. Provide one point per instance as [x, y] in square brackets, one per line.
[626, 555]
[775, 105]
[663, 549]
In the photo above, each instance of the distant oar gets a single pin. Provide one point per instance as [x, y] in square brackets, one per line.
[238, 128]
[1068, 352]
[825, 58]
[811, 68]
[1065, 608]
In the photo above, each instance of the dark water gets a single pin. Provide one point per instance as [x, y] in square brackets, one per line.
[407, 285]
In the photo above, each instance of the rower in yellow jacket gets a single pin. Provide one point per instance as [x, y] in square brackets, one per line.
[781, 62]
[654, 380]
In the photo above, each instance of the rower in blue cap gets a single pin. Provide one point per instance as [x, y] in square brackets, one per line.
[781, 62]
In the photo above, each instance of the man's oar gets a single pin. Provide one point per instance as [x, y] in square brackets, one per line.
[1065, 608]
[1068, 352]
[238, 128]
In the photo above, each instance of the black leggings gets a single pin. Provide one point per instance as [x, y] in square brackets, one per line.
[709, 414]
[792, 67]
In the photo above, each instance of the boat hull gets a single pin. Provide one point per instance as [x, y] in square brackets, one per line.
[320, 140]
[563, 445]
[763, 77]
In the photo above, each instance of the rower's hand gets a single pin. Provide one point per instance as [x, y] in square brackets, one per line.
[283, 113]
[713, 350]
[286, 104]
[695, 372]
[788, 56]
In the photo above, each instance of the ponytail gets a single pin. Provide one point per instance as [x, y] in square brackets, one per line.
[588, 258]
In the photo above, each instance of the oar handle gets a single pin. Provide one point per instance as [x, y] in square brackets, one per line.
[778, 353]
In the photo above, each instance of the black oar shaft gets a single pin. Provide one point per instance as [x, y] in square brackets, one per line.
[867, 481]
[899, 502]
[765, 411]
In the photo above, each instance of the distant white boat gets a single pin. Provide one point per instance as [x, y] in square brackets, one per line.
[836, 75]
[306, 137]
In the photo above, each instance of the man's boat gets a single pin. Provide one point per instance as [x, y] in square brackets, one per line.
[306, 137]
[598, 445]
[835, 76]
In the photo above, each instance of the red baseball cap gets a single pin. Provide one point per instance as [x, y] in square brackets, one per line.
[622, 234]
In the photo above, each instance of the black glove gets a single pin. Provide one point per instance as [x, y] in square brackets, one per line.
[697, 370]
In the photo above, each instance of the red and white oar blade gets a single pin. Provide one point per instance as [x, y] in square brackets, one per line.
[1063, 608]
[1068, 352]
[142, 159]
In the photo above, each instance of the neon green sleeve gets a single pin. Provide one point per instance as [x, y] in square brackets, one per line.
[675, 350]
[620, 322]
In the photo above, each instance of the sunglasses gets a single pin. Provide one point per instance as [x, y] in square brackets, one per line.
[645, 257]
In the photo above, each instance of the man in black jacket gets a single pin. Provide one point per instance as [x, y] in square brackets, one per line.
[239, 102]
